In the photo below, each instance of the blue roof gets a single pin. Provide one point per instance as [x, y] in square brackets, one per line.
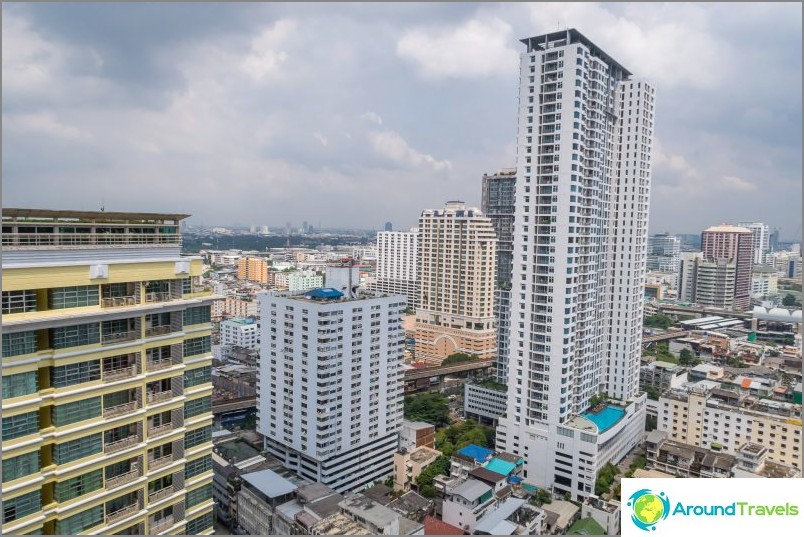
[324, 292]
[500, 466]
[480, 454]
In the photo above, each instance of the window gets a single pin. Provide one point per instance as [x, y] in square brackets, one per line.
[197, 406]
[119, 433]
[77, 449]
[20, 425]
[69, 375]
[198, 436]
[82, 521]
[198, 345]
[20, 466]
[19, 301]
[200, 375]
[159, 484]
[120, 503]
[197, 466]
[197, 525]
[20, 384]
[73, 297]
[199, 495]
[74, 336]
[81, 410]
[78, 486]
[197, 315]
[16, 508]
[18, 344]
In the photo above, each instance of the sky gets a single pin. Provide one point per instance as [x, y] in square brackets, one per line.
[354, 114]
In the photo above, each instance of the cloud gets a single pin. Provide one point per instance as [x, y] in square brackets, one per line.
[321, 138]
[735, 183]
[393, 146]
[267, 53]
[371, 117]
[44, 124]
[474, 49]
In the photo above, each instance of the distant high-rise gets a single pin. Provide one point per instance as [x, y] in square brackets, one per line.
[663, 253]
[397, 273]
[580, 243]
[761, 235]
[457, 256]
[330, 387]
[497, 203]
[389, 226]
[724, 275]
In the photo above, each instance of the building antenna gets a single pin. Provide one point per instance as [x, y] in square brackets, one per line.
[103, 205]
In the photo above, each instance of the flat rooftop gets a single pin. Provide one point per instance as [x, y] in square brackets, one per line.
[88, 216]
[568, 37]
[606, 418]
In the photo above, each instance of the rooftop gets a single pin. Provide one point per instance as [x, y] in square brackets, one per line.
[488, 476]
[269, 483]
[433, 526]
[586, 526]
[423, 454]
[478, 453]
[500, 466]
[727, 228]
[369, 510]
[606, 418]
[44, 215]
[339, 524]
[471, 489]
[567, 37]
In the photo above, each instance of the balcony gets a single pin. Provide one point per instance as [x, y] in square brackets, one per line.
[157, 365]
[121, 444]
[118, 337]
[159, 397]
[122, 479]
[119, 301]
[158, 330]
[160, 494]
[162, 524]
[121, 373]
[120, 514]
[160, 430]
[119, 410]
[157, 297]
[153, 464]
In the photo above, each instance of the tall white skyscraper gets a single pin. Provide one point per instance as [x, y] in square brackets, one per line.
[580, 243]
[761, 234]
[330, 385]
[397, 253]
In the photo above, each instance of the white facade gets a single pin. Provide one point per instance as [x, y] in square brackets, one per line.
[241, 333]
[330, 386]
[304, 280]
[397, 252]
[483, 402]
[580, 245]
[664, 251]
[764, 281]
[688, 275]
[761, 233]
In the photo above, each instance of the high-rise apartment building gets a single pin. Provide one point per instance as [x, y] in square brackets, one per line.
[580, 243]
[254, 269]
[497, 203]
[457, 258]
[761, 236]
[106, 407]
[330, 386]
[397, 253]
[664, 252]
[724, 276]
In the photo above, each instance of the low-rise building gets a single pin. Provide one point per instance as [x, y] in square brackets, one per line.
[680, 459]
[467, 459]
[408, 465]
[662, 376]
[377, 518]
[605, 513]
[485, 401]
[260, 494]
[243, 332]
[514, 516]
[559, 515]
[304, 280]
[414, 434]
[467, 503]
[313, 503]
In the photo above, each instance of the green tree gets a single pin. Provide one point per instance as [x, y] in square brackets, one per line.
[653, 393]
[686, 358]
[651, 423]
[659, 321]
[789, 301]
[430, 407]
[459, 358]
[425, 479]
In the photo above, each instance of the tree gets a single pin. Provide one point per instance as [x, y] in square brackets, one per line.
[653, 393]
[430, 407]
[458, 358]
[651, 423]
[659, 321]
[424, 481]
[460, 435]
[686, 358]
[789, 301]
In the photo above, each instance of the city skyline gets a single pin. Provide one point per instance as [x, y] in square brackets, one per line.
[225, 101]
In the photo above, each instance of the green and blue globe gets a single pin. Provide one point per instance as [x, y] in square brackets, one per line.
[648, 508]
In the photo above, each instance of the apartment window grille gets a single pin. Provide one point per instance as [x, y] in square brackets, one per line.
[118, 468]
[119, 433]
[81, 410]
[200, 524]
[78, 486]
[200, 375]
[78, 373]
[198, 345]
[19, 301]
[18, 344]
[186, 286]
[74, 336]
[160, 484]
[73, 297]
[198, 466]
[199, 495]
[197, 406]
[20, 384]
[20, 425]
[80, 522]
[77, 449]
[198, 436]
[121, 502]
[21, 465]
[197, 315]
[21, 506]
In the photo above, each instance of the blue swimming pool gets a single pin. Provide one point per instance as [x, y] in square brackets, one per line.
[606, 418]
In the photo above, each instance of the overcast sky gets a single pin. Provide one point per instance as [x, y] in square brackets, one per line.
[349, 115]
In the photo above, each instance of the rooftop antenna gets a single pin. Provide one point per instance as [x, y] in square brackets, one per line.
[103, 205]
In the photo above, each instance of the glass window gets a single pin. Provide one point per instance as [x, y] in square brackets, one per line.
[197, 466]
[200, 524]
[199, 495]
[20, 425]
[198, 345]
[78, 486]
[198, 436]
[71, 374]
[120, 503]
[77, 449]
[73, 297]
[19, 301]
[20, 466]
[162, 483]
[74, 336]
[199, 375]
[197, 315]
[21, 506]
[82, 521]
[19, 343]
[197, 406]
[81, 410]
[119, 433]
[20, 384]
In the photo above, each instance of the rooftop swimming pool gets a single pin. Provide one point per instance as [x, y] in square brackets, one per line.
[606, 418]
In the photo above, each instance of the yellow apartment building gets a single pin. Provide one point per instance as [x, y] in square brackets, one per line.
[107, 394]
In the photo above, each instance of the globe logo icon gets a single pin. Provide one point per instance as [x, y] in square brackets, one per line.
[648, 508]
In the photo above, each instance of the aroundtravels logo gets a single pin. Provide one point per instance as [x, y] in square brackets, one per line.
[648, 508]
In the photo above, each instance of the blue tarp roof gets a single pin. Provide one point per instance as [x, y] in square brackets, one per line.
[324, 292]
[480, 454]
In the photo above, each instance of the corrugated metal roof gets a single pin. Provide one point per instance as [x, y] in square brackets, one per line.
[269, 483]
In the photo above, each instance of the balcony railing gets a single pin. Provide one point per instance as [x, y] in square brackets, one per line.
[117, 337]
[121, 373]
[156, 365]
[157, 297]
[160, 462]
[158, 397]
[158, 330]
[122, 513]
[122, 479]
[119, 410]
[161, 524]
[97, 239]
[119, 301]
[160, 494]
[118, 445]
[159, 430]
